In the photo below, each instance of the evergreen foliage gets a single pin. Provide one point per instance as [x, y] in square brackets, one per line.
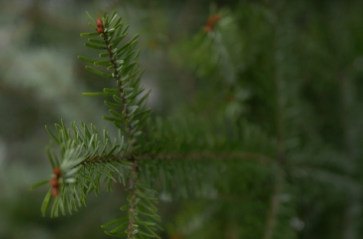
[257, 156]
[86, 159]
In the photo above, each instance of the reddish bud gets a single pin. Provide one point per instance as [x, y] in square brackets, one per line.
[55, 192]
[217, 17]
[211, 21]
[54, 182]
[99, 23]
[100, 30]
[57, 172]
[208, 28]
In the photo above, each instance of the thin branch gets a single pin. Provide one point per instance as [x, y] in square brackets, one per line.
[353, 208]
[103, 159]
[274, 206]
[129, 137]
[207, 155]
[280, 126]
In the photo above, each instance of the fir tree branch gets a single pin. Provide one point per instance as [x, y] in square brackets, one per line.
[274, 206]
[127, 113]
[209, 155]
[85, 158]
[281, 137]
[353, 208]
[132, 114]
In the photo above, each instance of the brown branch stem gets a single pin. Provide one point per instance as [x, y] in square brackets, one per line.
[128, 128]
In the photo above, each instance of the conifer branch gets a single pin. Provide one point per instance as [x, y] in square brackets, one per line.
[274, 206]
[85, 157]
[352, 210]
[281, 137]
[132, 116]
[126, 113]
[209, 155]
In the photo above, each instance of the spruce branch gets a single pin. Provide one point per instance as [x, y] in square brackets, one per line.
[281, 141]
[83, 159]
[80, 155]
[126, 107]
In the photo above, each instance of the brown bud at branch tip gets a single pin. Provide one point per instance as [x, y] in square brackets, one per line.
[57, 172]
[54, 182]
[99, 23]
[100, 30]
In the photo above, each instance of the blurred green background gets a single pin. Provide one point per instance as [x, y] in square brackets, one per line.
[292, 68]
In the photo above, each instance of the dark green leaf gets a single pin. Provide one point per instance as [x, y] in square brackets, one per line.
[117, 99]
[46, 202]
[113, 17]
[117, 40]
[126, 69]
[149, 208]
[143, 98]
[110, 90]
[110, 30]
[137, 55]
[128, 56]
[95, 94]
[52, 135]
[50, 158]
[112, 119]
[150, 215]
[127, 78]
[92, 25]
[112, 105]
[104, 54]
[121, 127]
[126, 47]
[141, 113]
[89, 34]
[116, 234]
[132, 109]
[98, 72]
[90, 16]
[93, 46]
[118, 22]
[113, 222]
[124, 207]
[112, 150]
[115, 113]
[119, 227]
[102, 63]
[38, 184]
[86, 59]
[152, 232]
[96, 41]
[125, 30]
[146, 234]
[145, 223]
